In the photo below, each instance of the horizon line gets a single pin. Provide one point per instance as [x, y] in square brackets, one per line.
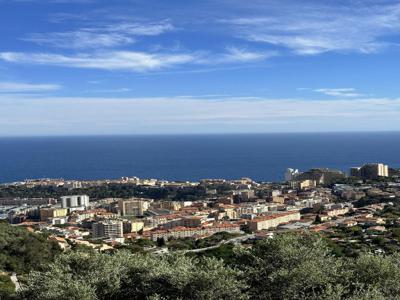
[197, 134]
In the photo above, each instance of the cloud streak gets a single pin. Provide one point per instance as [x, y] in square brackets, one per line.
[339, 92]
[119, 60]
[133, 61]
[100, 37]
[61, 115]
[235, 54]
[19, 87]
[317, 28]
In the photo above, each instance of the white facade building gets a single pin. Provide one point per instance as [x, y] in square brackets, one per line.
[75, 201]
[290, 174]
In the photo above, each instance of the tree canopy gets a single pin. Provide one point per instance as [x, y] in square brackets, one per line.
[22, 251]
[134, 276]
[288, 266]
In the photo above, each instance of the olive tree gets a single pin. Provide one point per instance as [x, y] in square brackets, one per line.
[134, 276]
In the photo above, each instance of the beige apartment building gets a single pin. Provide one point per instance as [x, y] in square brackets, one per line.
[272, 221]
[193, 221]
[184, 232]
[133, 207]
[48, 213]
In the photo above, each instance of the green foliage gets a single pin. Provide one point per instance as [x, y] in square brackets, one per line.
[34, 192]
[192, 243]
[379, 240]
[292, 267]
[356, 230]
[22, 251]
[143, 242]
[396, 232]
[225, 252]
[215, 239]
[287, 266]
[380, 274]
[106, 191]
[7, 288]
[133, 276]
[181, 244]
[137, 245]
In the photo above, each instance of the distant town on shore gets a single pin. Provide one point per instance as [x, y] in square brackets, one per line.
[106, 214]
[52, 223]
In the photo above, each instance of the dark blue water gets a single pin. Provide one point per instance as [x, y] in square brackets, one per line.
[259, 156]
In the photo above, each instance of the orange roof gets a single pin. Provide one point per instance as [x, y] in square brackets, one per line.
[29, 223]
[72, 228]
[58, 239]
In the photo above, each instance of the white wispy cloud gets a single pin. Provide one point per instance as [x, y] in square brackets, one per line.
[135, 61]
[80, 39]
[235, 54]
[339, 92]
[19, 87]
[117, 90]
[138, 29]
[118, 60]
[100, 37]
[317, 28]
[61, 115]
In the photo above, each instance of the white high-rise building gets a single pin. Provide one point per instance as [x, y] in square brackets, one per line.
[75, 202]
[370, 171]
[290, 174]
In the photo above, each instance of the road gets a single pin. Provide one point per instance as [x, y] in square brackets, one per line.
[235, 240]
[14, 279]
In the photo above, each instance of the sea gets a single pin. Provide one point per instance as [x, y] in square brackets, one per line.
[262, 157]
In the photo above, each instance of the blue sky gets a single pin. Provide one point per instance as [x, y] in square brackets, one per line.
[78, 67]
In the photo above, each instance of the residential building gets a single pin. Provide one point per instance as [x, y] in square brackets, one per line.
[184, 232]
[370, 171]
[52, 212]
[75, 202]
[133, 207]
[107, 229]
[132, 226]
[193, 221]
[272, 221]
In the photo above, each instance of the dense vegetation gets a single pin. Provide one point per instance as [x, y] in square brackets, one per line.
[302, 266]
[7, 287]
[191, 243]
[106, 191]
[134, 276]
[22, 251]
[285, 267]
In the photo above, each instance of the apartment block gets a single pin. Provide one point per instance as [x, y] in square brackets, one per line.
[184, 232]
[370, 171]
[107, 229]
[272, 221]
[133, 207]
[74, 202]
[49, 213]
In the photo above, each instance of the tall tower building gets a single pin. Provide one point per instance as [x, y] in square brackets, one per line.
[370, 171]
[290, 174]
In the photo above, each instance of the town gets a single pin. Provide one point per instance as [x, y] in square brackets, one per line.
[354, 212]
